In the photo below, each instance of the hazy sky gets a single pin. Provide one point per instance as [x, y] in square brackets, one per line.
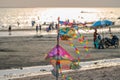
[59, 3]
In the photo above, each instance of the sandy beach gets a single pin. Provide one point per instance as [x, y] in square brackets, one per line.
[109, 73]
[22, 51]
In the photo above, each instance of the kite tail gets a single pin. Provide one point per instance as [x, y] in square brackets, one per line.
[76, 50]
[84, 42]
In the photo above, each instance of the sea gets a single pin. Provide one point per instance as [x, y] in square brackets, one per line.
[24, 16]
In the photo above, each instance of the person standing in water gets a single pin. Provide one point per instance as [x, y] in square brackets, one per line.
[40, 27]
[9, 29]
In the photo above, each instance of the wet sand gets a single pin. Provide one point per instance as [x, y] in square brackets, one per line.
[22, 51]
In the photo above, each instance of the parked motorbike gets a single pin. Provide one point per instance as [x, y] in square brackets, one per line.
[111, 42]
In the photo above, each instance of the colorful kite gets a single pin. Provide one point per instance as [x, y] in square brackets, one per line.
[59, 57]
[70, 33]
[60, 61]
[63, 54]
[67, 33]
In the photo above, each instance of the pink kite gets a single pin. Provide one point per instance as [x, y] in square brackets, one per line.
[59, 51]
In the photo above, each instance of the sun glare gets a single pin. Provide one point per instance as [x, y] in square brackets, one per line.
[78, 14]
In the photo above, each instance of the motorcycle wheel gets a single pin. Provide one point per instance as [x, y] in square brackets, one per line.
[116, 44]
[106, 44]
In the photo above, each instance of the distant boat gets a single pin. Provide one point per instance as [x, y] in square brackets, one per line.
[87, 12]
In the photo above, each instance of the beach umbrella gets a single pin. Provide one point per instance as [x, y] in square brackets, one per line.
[96, 24]
[107, 22]
[102, 23]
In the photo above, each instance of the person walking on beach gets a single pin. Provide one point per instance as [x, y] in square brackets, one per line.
[33, 23]
[95, 37]
[9, 29]
[37, 29]
[40, 27]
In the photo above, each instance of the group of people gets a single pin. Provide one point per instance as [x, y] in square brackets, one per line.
[99, 42]
[52, 26]
[38, 28]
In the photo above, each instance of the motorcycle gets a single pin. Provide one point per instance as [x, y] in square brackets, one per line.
[111, 42]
